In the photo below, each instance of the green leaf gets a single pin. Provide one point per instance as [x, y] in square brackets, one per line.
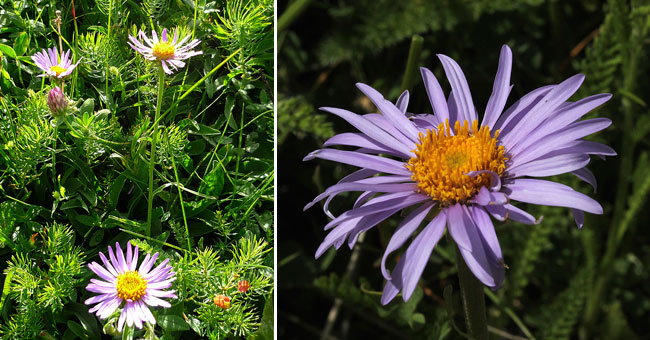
[21, 43]
[77, 329]
[266, 325]
[212, 184]
[7, 50]
[172, 323]
[96, 238]
[115, 190]
[87, 106]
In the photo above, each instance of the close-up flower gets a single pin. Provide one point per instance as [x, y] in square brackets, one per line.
[170, 52]
[222, 301]
[125, 285]
[49, 62]
[243, 286]
[460, 170]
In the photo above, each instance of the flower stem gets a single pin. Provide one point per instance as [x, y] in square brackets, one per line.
[471, 290]
[154, 140]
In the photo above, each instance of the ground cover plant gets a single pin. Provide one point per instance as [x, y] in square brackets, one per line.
[560, 282]
[136, 169]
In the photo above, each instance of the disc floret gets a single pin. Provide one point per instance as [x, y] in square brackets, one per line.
[443, 160]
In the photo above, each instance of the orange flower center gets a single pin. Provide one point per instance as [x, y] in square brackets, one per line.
[131, 286]
[442, 161]
[163, 50]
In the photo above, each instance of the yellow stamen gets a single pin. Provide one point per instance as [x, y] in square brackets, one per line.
[57, 69]
[163, 50]
[131, 286]
[442, 161]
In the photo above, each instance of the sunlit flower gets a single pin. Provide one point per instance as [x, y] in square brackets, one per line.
[169, 52]
[222, 301]
[56, 101]
[48, 61]
[121, 282]
[462, 171]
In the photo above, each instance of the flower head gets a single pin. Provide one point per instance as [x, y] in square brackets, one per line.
[243, 286]
[48, 61]
[123, 282]
[169, 52]
[462, 170]
[222, 301]
[56, 101]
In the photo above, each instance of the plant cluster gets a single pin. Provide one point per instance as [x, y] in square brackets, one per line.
[179, 163]
[561, 282]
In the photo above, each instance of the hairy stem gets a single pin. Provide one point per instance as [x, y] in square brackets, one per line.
[471, 290]
[154, 140]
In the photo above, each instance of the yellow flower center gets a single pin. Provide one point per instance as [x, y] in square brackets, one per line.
[163, 50]
[57, 69]
[442, 161]
[131, 286]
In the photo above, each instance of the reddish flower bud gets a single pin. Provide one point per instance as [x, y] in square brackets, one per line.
[243, 286]
[222, 301]
[57, 102]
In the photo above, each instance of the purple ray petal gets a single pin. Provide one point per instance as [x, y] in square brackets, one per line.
[514, 113]
[587, 176]
[394, 115]
[562, 118]
[403, 102]
[500, 90]
[380, 164]
[543, 192]
[542, 110]
[370, 130]
[436, 96]
[406, 228]
[459, 86]
[550, 166]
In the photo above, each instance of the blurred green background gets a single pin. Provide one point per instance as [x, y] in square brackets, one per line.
[562, 283]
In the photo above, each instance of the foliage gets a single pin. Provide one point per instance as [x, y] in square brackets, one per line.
[84, 175]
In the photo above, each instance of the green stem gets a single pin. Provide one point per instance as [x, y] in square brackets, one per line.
[180, 197]
[108, 38]
[471, 290]
[154, 140]
[292, 13]
[412, 62]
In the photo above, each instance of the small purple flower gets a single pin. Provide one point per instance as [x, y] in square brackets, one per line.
[138, 289]
[48, 61]
[169, 52]
[450, 166]
[56, 101]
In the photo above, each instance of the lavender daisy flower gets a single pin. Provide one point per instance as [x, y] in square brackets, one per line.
[138, 289]
[459, 169]
[169, 52]
[48, 61]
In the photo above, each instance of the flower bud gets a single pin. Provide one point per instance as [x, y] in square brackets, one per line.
[57, 102]
[222, 301]
[243, 286]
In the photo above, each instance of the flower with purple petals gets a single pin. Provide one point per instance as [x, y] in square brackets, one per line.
[459, 170]
[139, 288]
[48, 61]
[169, 52]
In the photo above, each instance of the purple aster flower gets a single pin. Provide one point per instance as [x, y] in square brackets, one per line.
[139, 289]
[169, 52]
[48, 61]
[459, 169]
